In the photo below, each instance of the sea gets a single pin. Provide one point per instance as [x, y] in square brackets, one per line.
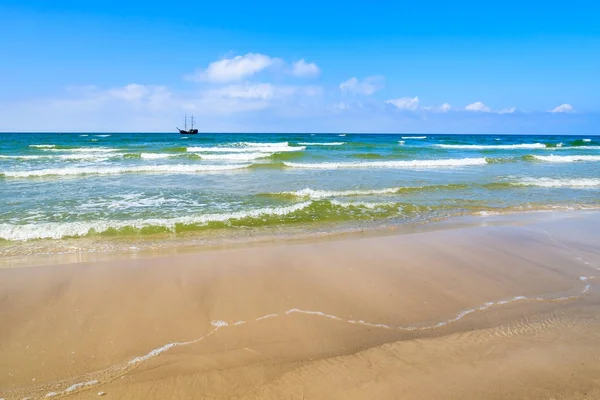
[92, 192]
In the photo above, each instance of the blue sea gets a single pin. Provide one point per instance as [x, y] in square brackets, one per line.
[82, 191]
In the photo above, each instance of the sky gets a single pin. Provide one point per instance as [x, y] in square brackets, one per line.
[311, 66]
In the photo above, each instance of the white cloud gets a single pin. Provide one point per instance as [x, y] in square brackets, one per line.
[131, 92]
[440, 109]
[302, 69]
[510, 110]
[563, 108]
[478, 106]
[405, 103]
[367, 86]
[233, 69]
[263, 91]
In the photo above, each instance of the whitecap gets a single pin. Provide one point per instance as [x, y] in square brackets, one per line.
[559, 182]
[321, 144]
[450, 162]
[565, 159]
[173, 169]
[493, 146]
[58, 230]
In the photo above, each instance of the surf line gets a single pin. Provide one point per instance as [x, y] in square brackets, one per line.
[220, 324]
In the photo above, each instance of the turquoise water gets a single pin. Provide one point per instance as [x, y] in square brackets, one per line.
[63, 186]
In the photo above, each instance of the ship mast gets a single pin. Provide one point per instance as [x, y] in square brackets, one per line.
[185, 122]
[192, 118]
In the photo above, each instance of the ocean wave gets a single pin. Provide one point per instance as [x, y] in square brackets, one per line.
[450, 162]
[320, 144]
[136, 200]
[316, 194]
[173, 169]
[43, 146]
[266, 149]
[235, 156]
[565, 159]
[79, 157]
[23, 157]
[492, 146]
[586, 140]
[413, 137]
[364, 204]
[102, 135]
[560, 182]
[307, 211]
[85, 150]
[257, 144]
[155, 156]
[58, 230]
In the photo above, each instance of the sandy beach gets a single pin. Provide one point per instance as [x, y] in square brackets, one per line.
[501, 309]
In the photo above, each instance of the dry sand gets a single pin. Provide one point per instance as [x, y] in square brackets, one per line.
[487, 312]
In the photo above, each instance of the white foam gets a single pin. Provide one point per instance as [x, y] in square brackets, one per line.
[322, 314]
[235, 156]
[173, 169]
[153, 353]
[219, 324]
[414, 137]
[320, 144]
[102, 135]
[81, 385]
[272, 149]
[323, 194]
[565, 159]
[559, 183]
[58, 230]
[58, 156]
[86, 150]
[266, 317]
[363, 204]
[83, 135]
[155, 156]
[450, 162]
[401, 142]
[254, 144]
[586, 140]
[493, 146]
[43, 146]
[23, 157]
[342, 135]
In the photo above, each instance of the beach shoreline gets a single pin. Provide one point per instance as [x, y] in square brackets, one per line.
[78, 250]
[310, 319]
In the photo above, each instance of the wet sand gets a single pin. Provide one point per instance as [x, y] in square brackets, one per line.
[505, 309]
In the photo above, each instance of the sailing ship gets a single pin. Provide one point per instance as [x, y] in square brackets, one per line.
[186, 131]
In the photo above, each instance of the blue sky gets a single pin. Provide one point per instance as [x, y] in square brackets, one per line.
[383, 66]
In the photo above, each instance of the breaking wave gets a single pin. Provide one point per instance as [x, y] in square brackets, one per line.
[307, 211]
[492, 146]
[172, 169]
[316, 194]
[564, 159]
[450, 162]
[560, 183]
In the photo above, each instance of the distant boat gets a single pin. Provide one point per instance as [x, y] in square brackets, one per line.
[187, 131]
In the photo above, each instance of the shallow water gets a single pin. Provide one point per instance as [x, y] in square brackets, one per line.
[58, 186]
